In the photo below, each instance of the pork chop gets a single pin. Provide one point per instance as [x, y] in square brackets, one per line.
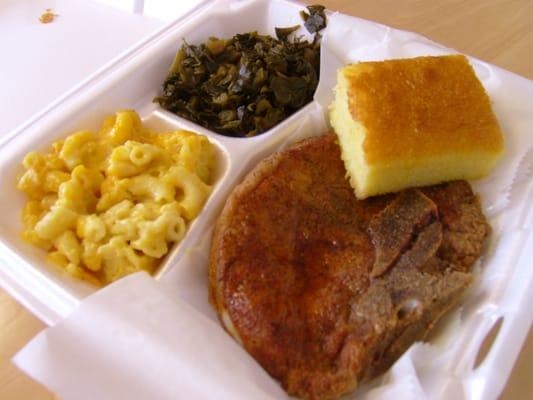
[326, 291]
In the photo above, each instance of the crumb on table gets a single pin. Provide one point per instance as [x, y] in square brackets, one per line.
[47, 17]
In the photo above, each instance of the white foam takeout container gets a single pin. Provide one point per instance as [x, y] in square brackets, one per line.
[501, 293]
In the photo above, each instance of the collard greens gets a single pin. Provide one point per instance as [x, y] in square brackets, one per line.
[245, 85]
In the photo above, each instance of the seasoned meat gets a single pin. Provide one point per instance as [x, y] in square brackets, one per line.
[393, 228]
[325, 290]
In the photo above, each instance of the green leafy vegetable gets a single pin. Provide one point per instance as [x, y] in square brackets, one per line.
[283, 33]
[245, 85]
[315, 21]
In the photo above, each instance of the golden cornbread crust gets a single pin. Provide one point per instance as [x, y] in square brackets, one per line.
[421, 107]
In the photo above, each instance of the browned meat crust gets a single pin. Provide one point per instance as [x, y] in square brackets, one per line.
[291, 268]
[392, 230]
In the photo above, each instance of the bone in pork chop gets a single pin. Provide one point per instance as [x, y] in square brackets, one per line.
[325, 290]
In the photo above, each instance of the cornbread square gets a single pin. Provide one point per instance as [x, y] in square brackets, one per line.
[413, 122]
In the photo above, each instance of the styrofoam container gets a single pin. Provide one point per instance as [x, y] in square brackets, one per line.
[502, 290]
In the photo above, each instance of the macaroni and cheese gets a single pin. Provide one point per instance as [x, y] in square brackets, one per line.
[106, 204]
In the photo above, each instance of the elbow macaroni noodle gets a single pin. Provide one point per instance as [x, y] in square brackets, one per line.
[109, 204]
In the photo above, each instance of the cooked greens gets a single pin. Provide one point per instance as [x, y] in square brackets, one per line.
[245, 85]
[315, 20]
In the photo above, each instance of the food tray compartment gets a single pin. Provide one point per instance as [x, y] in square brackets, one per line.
[31, 258]
[133, 83]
